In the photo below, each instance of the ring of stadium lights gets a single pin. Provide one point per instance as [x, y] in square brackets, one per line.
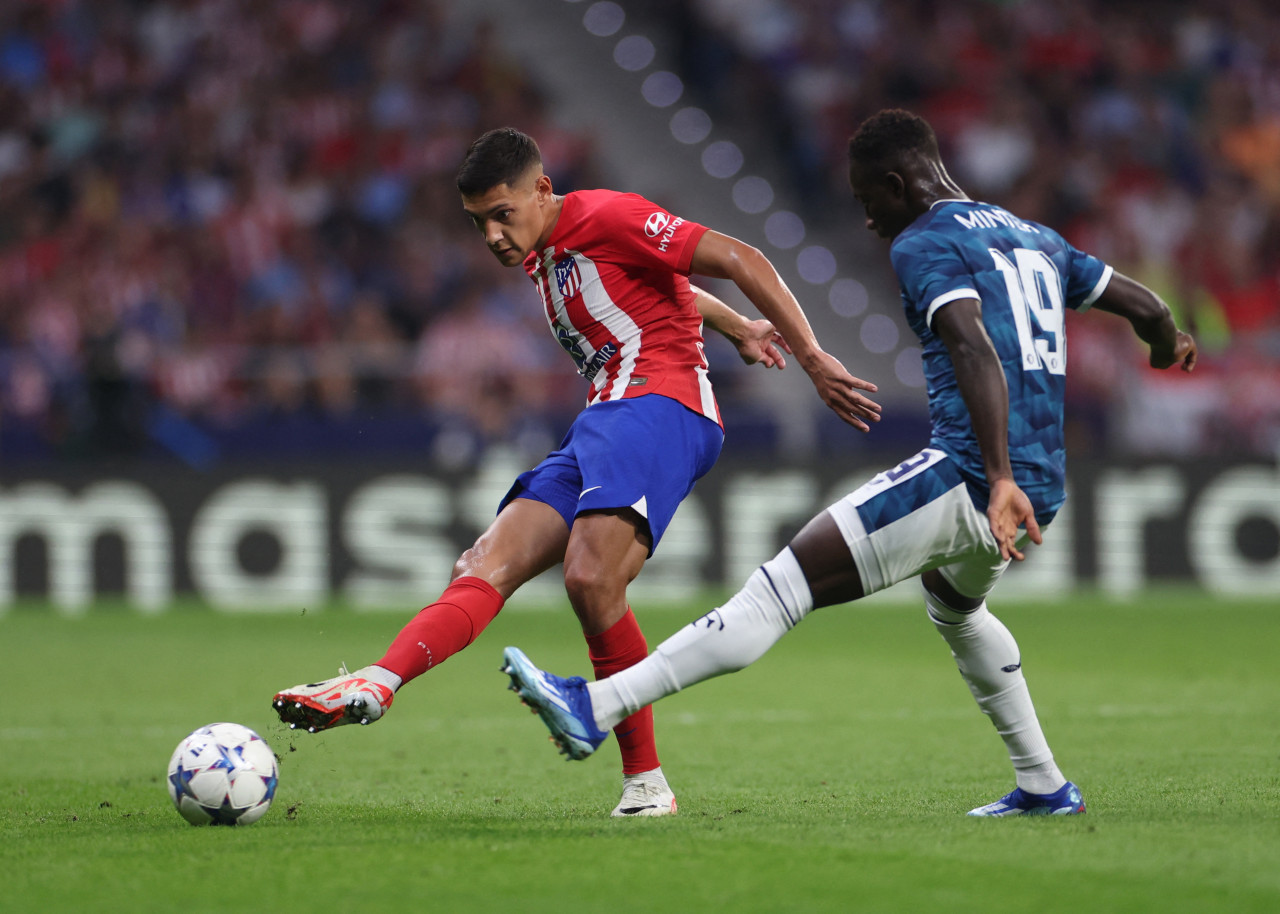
[752, 194]
[604, 18]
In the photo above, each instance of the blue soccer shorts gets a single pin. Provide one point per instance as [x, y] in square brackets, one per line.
[916, 517]
[643, 453]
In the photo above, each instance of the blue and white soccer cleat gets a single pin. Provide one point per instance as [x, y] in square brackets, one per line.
[563, 704]
[1065, 801]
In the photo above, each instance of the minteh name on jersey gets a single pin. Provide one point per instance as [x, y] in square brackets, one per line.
[993, 217]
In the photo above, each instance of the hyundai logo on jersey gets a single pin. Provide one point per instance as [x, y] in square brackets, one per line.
[654, 225]
[568, 277]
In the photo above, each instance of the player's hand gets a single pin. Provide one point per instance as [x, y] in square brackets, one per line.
[1009, 509]
[762, 344]
[839, 390]
[1184, 351]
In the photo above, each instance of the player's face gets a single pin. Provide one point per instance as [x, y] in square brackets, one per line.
[512, 219]
[883, 198]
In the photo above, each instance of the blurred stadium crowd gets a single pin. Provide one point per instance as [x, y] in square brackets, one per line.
[229, 227]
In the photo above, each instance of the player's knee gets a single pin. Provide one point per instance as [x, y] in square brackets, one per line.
[504, 572]
[484, 559]
[591, 584]
[943, 610]
[787, 585]
[579, 584]
[466, 565]
[938, 590]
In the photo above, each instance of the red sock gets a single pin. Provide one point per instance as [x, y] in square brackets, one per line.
[442, 629]
[621, 646]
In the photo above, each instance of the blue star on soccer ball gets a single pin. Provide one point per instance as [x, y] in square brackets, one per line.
[226, 762]
[180, 780]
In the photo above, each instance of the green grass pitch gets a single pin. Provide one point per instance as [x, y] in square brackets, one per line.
[831, 776]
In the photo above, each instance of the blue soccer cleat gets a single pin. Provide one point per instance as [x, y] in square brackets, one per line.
[1065, 801]
[563, 704]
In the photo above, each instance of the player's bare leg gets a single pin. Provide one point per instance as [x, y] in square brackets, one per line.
[525, 539]
[606, 551]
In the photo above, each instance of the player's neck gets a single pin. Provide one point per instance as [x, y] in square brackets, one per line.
[551, 217]
[934, 184]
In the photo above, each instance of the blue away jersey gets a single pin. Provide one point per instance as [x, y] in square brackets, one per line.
[1025, 275]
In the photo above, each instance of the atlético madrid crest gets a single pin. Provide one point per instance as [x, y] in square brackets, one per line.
[568, 277]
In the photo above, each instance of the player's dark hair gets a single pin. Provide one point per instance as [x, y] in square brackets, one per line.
[883, 139]
[499, 156]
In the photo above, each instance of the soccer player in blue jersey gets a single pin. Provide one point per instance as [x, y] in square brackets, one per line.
[986, 293]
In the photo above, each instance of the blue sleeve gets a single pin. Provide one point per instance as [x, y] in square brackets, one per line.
[931, 273]
[1087, 278]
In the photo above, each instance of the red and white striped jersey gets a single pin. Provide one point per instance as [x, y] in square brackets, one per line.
[614, 280]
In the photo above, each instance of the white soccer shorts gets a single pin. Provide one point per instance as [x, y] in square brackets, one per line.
[916, 517]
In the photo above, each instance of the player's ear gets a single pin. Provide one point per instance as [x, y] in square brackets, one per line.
[542, 187]
[896, 183]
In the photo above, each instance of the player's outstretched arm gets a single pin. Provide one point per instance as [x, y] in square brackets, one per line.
[1151, 320]
[986, 396]
[757, 342]
[722, 257]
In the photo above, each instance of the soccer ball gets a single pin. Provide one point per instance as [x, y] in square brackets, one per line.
[222, 774]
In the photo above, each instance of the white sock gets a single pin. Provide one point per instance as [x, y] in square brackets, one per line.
[774, 599]
[653, 776]
[989, 661]
[380, 675]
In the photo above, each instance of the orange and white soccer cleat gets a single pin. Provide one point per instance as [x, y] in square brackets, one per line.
[349, 698]
[646, 794]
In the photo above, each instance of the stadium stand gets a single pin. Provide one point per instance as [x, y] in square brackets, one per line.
[229, 228]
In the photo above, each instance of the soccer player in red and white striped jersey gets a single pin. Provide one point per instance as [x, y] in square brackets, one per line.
[613, 277]
[612, 271]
